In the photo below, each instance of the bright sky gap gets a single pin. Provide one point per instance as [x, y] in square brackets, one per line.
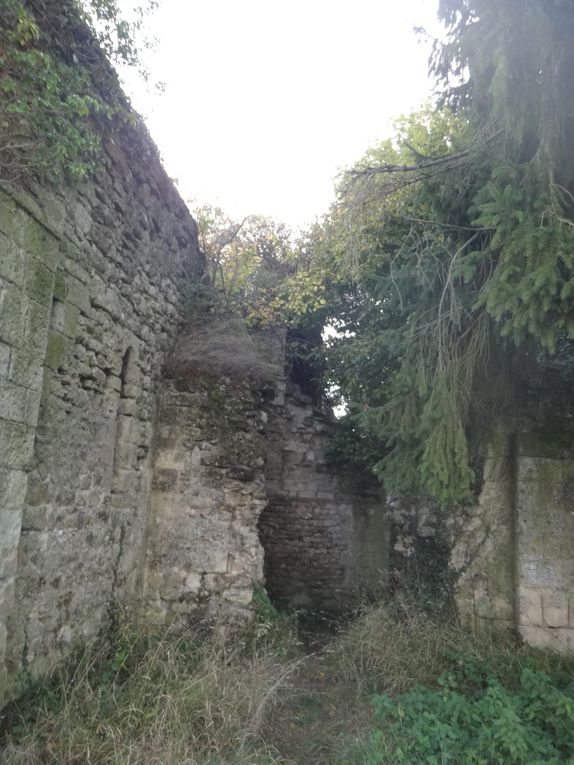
[267, 100]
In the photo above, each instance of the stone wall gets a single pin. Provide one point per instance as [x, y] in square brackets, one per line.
[514, 557]
[204, 555]
[93, 283]
[324, 530]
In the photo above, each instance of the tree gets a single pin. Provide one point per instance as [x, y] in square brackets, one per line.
[457, 239]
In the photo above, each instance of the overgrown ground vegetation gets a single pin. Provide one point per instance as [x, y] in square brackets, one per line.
[393, 685]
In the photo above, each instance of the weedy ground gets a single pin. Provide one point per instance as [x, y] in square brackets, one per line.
[392, 685]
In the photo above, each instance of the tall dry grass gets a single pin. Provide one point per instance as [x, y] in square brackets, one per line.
[391, 648]
[187, 700]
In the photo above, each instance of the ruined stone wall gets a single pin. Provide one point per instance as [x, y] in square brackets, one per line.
[514, 557]
[93, 283]
[324, 530]
[204, 554]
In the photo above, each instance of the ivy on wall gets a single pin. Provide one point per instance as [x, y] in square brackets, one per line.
[57, 84]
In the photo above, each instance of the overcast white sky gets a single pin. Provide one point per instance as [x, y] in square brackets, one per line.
[267, 99]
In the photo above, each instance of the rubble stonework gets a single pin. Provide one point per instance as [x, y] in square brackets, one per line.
[324, 530]
[93, 283]
[208, 493]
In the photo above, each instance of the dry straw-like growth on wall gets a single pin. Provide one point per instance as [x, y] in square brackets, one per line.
[225, 346]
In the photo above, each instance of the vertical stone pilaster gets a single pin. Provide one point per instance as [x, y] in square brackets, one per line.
[28, 258]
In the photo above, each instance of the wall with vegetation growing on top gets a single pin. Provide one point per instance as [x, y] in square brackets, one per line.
[93, 283]
[325, 531]
[513, 553]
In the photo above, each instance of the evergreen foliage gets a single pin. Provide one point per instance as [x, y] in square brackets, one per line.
[457, 243]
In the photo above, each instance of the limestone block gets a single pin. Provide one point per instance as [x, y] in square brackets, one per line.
[13, 310]
[78, 294]
[35, 333]
[12, 261]
[105, 299]
[65, 318]
[60, 287]
[193, 582]
[5, 353]
[165, 480]
[26, 367]
[58, 344]
[16, 445]
[555, 608]
[13, 400]
[128, 407]
[125, 454]
[10, 526]
[33, 400]
[37, 517]
[39, 284]
[8, 561]
[13, 486]
[530, 606]
[544, 637]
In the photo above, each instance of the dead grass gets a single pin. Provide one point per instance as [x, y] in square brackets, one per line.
[164, 701]
[244, 695]
[390, 649]
[225, 346]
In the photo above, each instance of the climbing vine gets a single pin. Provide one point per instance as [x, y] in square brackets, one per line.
[57, 84]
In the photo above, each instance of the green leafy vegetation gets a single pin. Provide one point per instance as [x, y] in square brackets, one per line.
[57, 85]
[450, 248]
[393, 686]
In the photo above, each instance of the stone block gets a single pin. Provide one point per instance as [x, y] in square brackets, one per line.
[60, 287]
[13, 486]
[36, 240]
[37, 517]
[65, 318]
[26, 367]
[10, 525]
[10, 216]
[561, 640]
[12, 261]
[37, 326]
[6, 602]
[13, 401]
[165, 480]
[58, 344]
[8, 561]
[555, 609]
[78, 294]
[5, 353]
[105, 299]
[13, 311]
[39, 284]
[127, 407]
[33, 400]
[193, 582]
[16, 445]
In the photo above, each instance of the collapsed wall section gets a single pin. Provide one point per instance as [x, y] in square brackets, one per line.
[204, 554]
[93, 283]
[324, 530]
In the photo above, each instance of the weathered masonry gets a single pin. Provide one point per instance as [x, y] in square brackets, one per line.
[92, 287]
[515, 550]
[168, 469]
[325, 531]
